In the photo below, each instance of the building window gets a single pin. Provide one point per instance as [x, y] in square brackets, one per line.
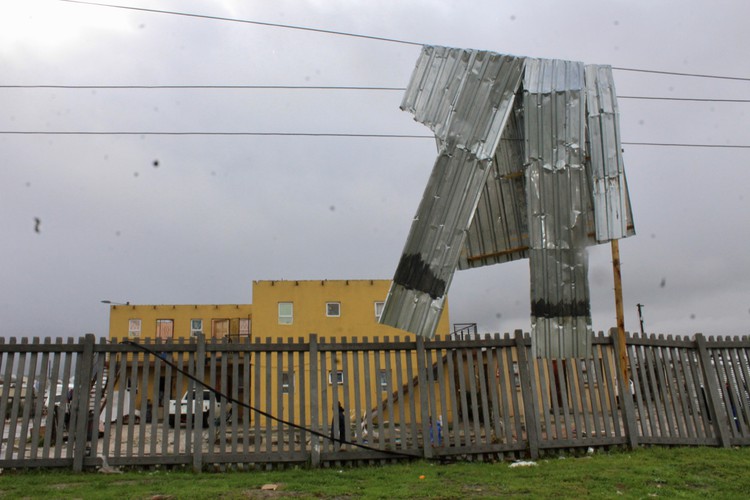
[196, 327]
[244, 327]
[339, 377]
[219, 328]
[134, 328]
[378, 310]
[165, 329]
[333, 309]
[286, 313]
[287, 382]
[383, 380]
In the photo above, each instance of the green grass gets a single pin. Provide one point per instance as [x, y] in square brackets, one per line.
[643, 473]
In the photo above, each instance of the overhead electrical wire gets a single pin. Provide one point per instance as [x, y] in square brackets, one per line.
[683, 99]
[318, 134]
[203, 87]
[311, 87]
[677, 73]
[247, 21]
[357, 35]
[208, 133]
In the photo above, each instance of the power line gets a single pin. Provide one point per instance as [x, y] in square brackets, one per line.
[683, 99]
[196, 133]
[203, 87]
[315, 87]
[357, 35]
[316, 134]
[676, 73]
[687, 145]
[247, 21]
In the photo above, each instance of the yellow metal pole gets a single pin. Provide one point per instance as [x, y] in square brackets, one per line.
[624, 370]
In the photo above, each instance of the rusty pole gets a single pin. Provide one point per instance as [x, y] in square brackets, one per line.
[623, 361]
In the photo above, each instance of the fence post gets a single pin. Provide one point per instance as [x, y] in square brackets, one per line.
[424, 404]
[81, 391]
[314, 377]
[623, 388]
[198, 373]
[713, 392]
[529, 395]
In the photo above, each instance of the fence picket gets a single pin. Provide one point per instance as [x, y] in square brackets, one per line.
[52, 402]
[602, 391]
[413, 432]
[441, 387]
[492, 387]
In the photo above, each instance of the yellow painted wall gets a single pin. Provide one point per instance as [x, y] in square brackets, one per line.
[309, 298]
[119, 317]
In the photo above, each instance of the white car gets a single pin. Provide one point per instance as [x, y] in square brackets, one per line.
[200, 406]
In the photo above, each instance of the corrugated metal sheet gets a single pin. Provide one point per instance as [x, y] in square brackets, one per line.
[499, 230]
[558, 194]
[613, 216]
[466, 98]
[463, 96]
[524, 165]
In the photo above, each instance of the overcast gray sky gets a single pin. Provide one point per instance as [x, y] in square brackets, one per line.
[194, 219]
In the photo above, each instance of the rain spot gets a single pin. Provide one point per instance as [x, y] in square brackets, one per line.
[117, 233]
[641, 122]
[692, 316]
[512, 18]
[663, 282]
[498, 315]
[616, 23]
[332, 208]
[135, 174]
[156, 163]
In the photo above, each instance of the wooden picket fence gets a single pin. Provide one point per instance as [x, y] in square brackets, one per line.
[80, 404]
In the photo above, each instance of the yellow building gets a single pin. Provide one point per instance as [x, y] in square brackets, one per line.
[169, 322]
[281, 310]
[329, 308]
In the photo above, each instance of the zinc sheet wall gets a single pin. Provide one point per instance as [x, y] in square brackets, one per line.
[558, 201]
[499, 230]
[465, 97]
[613, 215]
